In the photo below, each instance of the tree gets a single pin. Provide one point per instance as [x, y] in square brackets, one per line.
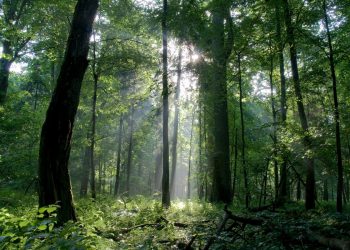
[165, 94]
[336, 113]
[221, 50]
[56, 133]
[310, 171]
[176, 121]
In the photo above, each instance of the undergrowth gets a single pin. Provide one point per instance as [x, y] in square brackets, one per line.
[141, 223]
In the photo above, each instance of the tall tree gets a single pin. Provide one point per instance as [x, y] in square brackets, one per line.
[310, 171]
[281, 191]
[119, 150]
[340, 183]
[128, 164]
[221, 49]
[176, 122]
[165, 94]
[56, 133]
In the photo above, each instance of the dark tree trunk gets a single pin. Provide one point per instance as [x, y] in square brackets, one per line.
[85, 173]
[274, 133]
[56, 133]
[221, 188]
[298, 190]
[340, 184]
[235, 164]
[189, 160]
[281, 191]
[310, 171]
[130, 148]
[92, 136]
[176, 122]
[5, 64]
[117, 172]
[244, 165]
[325, 190]
[165, 179]
[201, 167]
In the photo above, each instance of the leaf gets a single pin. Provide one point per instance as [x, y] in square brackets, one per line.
[23, 224]
[42, 227]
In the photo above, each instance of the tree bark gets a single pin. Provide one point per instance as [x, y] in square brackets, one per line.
[165, 179]
[244, 165]
[281, 190]
[190, 158]
[128, 164]
[310, 171]
[221, 188]
[85, 172]
[176, 122]
[340, 183]
[92, 140]
[56, 133]
[117, 173]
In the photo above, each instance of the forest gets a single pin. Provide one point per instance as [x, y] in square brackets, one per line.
[175, 124]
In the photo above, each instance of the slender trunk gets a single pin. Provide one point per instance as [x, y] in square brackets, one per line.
[201, 168]
[281, 189]
[92, 138]
[56, 133]
[235, 164]
[274, 133]
[298, 190]
[119, 151]
[176, 121]
[99, 187]
[310, 171]
[165, 179]
[5, 64]
[245, 172]
[189, 159]
[340, 184]
[325, 190]
[128, 165]
[85, 172]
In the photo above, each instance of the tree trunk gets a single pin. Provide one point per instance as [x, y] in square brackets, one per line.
[325, 190]
[221, 188]
[200, 155]
[274, 133]
[245, 172]
[117, 173]
[281, 190]
[235, 164]
[310, 171]
[190, 158]
[85, 173]
[128, 164]
[56, 133]
[176, 122]
[340, 183]
[5, 64]
[92, 135]
[165, 179]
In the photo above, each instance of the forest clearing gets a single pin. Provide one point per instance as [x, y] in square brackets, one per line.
[174, 124]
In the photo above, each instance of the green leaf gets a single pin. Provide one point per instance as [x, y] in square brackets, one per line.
[42, 227]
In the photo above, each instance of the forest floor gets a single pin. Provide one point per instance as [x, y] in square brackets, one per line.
[141, 223]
